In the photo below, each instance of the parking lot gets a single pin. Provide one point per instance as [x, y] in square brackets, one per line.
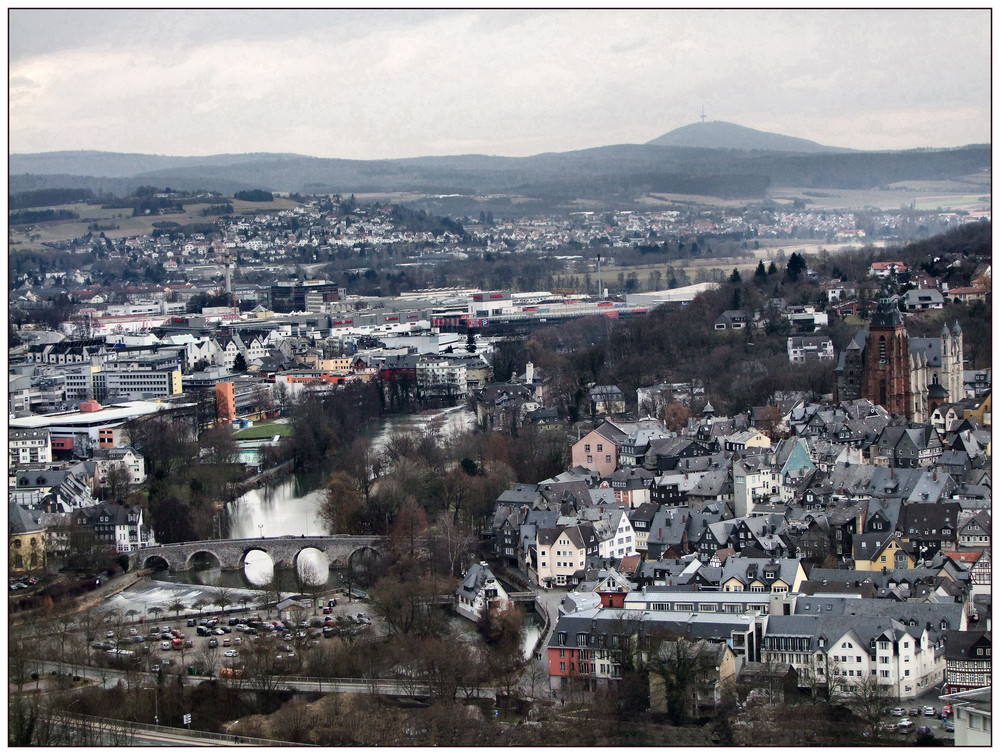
[216, 645]
[921, 716]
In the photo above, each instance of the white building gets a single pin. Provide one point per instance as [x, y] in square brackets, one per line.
[615, 536]
[480, 591]
[28, 446]
[973, 717]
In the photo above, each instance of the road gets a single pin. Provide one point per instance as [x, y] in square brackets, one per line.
[92, 730]
[109, 678]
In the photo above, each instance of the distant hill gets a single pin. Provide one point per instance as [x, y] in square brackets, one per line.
[725, 135]
[618, 173]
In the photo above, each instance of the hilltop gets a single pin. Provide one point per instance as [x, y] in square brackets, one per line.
[725, 135]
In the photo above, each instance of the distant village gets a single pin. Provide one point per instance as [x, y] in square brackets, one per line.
[801, 545]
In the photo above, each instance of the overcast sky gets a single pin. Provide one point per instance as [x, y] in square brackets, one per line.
[385, 84]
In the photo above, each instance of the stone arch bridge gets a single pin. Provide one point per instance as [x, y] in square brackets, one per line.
[231, 554]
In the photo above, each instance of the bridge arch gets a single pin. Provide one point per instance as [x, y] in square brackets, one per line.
[156, 563]
[315, 567]
[199, 555]
[362, 557]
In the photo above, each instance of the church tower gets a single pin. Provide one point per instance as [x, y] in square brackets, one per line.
[885, 377]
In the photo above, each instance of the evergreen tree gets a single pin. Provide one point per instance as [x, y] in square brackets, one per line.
[736, 277]
[240, 363]
[760, 274]
[796, 266]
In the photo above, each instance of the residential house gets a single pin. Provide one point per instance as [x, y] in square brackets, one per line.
[642, 518]
[929, 527]
[28, 446]
[830, 650]
[733, 319]
[480, 591]
[114, 526]
[598, 449]
[968, 661]
[909, 447]
[562, 554]
[803, 349]
[774, 575]
[124, 456]
[615, 536]
[606, 400]
[974, 530]
[874, 552]
[631, 485]
[922, 298]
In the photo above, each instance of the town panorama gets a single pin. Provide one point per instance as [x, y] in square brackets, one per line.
[704, 466]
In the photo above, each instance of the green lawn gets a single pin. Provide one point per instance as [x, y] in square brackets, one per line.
[265, 430]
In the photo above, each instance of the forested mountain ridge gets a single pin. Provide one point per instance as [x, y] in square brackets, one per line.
[624, 171]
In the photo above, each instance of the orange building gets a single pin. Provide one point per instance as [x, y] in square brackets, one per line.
[225, 402]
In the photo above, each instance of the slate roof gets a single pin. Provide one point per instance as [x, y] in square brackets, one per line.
[738, 567]
[21, 520]
[475, 578]
[913, 614]
[923, 521]
[957, 645]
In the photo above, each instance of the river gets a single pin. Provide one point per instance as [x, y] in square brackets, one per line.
[290, 505]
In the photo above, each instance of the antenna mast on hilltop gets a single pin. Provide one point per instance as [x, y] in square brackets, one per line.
[703, 113]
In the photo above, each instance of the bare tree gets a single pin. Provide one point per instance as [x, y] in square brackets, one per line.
[222, 597]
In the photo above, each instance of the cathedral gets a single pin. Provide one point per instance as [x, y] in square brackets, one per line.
[907, 376]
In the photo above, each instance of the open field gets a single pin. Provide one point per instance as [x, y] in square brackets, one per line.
[265, 430]
[126, 225]
[770, 250]
[970, 194]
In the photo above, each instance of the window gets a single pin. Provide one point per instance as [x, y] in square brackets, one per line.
[600, 447]
[562, 666]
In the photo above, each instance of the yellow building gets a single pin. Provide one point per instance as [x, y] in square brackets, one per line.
[25, 541]
[983, 412]
[875, 551]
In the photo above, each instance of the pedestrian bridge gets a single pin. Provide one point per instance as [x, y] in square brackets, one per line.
[231, 555]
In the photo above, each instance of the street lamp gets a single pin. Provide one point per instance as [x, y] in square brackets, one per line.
[231, 726]
[260, 529]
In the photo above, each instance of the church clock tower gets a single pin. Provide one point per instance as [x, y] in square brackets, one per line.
[885, 377]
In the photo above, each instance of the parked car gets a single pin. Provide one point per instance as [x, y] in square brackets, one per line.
[226, 642]
[232, 654]
[899, 712]
[914, 711]
[905, 725]
[155, 668]
[213, 643]
[930, 710]
[946, 710]
[949, 726]
[923, 730]
[164, 645]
